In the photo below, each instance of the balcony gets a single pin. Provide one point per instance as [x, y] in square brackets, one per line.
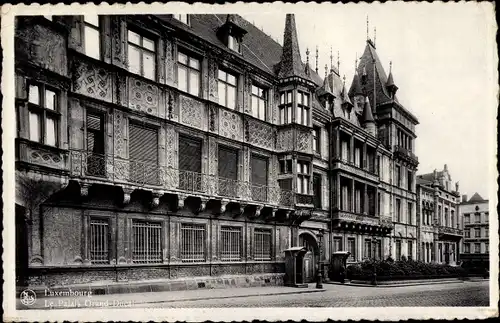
[349, 167]
[450, 233]
[106, 169]
[405, 154]
[363, 221]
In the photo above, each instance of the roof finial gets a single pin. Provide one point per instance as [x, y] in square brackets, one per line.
[317, 58]
[326, 70]
[374, 36]
[331, 58]
[367, 28]
[307, 55]
[338, 61]
[344, 80]
[356, 62]
[390, 67]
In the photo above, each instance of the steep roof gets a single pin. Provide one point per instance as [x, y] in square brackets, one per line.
[376, 78]
[390, 80]
[355, 88]
[291, 63]
[367, 112]
[476, 198]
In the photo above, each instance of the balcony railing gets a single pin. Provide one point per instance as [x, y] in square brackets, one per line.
[450, 231]
[405, 152]
[348, 166]
[109, 168]
[362, 218]
[304, 199]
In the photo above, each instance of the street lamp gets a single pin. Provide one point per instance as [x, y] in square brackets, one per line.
[319, 282]
[374, 277]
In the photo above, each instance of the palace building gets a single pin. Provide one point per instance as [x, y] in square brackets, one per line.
[440, 222]
[173, 146]
[475, 215]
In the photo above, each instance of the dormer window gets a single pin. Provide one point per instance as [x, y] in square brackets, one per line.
[184, 18]
[233, 43]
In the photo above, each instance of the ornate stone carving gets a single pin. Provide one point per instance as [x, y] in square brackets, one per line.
[170, 106]
[169, 61]
[191, 112]
[212, 80]
[92, 81]
[181, 198]
[118, 133]
[258, 209]
[42, 46]
[304, 142]
[223, 205]
[84, 189]
[212, 118]
[155, 201]
[127, 192]
[143, 96]
[285, 140]
[247, 131]
[203, 204]
[229, 125]
[46, 158]
[117, 43]
[260, 134]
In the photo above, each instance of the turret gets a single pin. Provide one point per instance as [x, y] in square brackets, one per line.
[367, 118]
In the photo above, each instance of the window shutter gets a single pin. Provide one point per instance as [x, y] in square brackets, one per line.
[259, 170]
[143, 154]
[189, 154]
[228, 163]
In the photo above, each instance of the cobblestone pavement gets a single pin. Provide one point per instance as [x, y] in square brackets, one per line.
[454, 294]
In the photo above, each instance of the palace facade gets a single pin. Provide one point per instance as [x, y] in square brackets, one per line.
[476, 239]
[440, 222]
[168, 146]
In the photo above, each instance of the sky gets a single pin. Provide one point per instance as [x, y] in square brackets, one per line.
[444, 62]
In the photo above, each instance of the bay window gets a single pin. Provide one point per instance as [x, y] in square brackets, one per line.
[285, 107]
[188, 74]
[141, 55]
[259, 102]
[227, 89]
[43, 114]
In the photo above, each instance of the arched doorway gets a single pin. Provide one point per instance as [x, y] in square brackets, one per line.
[307, 241]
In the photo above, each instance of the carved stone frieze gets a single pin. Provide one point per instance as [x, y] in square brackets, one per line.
[212, 80]
[304, 142]
[191, 112]
[285, 140]
[92, 81]
[45, 158]
[118, 133]
[169, 61]
[230, 125]
[143, 96]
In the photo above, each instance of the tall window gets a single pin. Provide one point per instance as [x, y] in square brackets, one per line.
[357, 156]
[43, 114]
[230, 243]
[92, 36]
[143, 154]
[337, 244]
[227, 89]
[477, 248]
[96, 163]
[262, 244]
[477, 233]
[486, 215]
[190, 156]
[398, 175]
[378, 250]
[141, 55]
[410, 213]
[184, 18]
[467, 233]
[410, 181]
[259, 102]
[379, 166]
[192, 242]
[317, 140]
[303, 177]
[344, 151]
[188, 74]
[398, 250]
[302, 108]
[410, 249]
[234, 43]
[317, 190]
[486, 233]
[477, 218]
[487, 247]
[99, 241]
[259, 166]
[368, 249]
[466, 219]
[398, 210]
[285, 107]
[147, 242]
[467, 248]
[351, 248]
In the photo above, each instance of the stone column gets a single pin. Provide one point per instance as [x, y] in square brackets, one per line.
[338, 191]
[351, 202]
[338, 153]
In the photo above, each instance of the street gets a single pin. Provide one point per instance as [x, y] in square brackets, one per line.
[455, 294]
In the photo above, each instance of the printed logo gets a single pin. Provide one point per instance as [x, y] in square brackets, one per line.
[28, 297]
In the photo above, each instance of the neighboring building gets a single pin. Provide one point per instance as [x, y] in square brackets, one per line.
[166, 146]
[440, 223]
[476, 245]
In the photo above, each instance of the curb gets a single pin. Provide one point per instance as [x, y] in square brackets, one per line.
[397, 285]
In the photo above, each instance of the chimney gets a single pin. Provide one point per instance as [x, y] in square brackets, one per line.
[464, 198]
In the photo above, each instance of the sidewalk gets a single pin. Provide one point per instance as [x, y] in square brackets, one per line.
[131, 299]
[404, 283]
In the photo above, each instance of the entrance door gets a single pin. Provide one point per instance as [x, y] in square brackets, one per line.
[310, 259]
[308, 267]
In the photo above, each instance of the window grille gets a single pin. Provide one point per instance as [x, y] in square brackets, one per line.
[147, 242]
[99, 241]
[193, 242]
[262, 244]
[231, 244]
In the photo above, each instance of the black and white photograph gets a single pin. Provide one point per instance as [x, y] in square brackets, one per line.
[249, 161]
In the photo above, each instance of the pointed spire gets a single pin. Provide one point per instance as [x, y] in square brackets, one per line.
[344, 95]
[390, 78]
[291, 63]
[367, 28]
[338, 61]
[317, 59]
[374, 36]
[367, 112]
[331, 59]
[356, 88]
[326, 70]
